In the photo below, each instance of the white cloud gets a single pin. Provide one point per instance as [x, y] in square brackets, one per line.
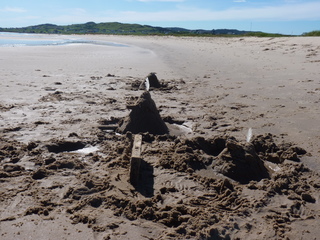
[13, 10]
[285, 12]
[302, 11]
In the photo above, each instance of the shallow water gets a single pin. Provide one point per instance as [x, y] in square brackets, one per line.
[23, 39]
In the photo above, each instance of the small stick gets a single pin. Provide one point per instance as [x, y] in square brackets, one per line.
[135, 161]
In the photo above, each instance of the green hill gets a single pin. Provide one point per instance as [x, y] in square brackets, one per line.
[112, 28]
[121, 28]
[91, 28]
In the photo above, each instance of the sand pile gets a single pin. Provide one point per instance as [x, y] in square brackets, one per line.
[144, 117]
[154, 84]
[152, 80]
[241, 162]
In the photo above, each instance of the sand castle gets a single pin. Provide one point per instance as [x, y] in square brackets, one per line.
[144, 117]
[152, 80]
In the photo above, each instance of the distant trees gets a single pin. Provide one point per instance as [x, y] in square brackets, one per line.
[133, 29]
[312, 34]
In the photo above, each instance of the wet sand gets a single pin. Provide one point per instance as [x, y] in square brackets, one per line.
[202, 181]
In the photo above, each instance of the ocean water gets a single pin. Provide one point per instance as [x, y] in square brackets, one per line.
[25, 39]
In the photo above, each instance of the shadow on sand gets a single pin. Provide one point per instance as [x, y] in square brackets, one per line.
[146, 180]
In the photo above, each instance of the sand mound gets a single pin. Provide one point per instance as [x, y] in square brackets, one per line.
[144, 117]
[240, 162]
[269, 151]
[153, 81]
[224, 155]
[192, 154]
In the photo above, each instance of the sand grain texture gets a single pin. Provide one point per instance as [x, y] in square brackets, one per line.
[64, 169]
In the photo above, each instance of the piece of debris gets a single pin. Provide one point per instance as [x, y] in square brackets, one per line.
[135, 161]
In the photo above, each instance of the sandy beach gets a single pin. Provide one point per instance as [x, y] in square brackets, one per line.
[64, 168]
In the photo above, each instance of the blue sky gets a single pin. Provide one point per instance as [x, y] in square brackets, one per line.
[274, 16]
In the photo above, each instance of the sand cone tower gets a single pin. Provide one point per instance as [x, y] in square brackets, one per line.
[144, 117]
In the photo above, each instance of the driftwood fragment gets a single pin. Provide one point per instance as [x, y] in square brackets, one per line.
[135, 161]
[108, 127]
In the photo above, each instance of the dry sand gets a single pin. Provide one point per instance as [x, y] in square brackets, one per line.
[202, 181]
